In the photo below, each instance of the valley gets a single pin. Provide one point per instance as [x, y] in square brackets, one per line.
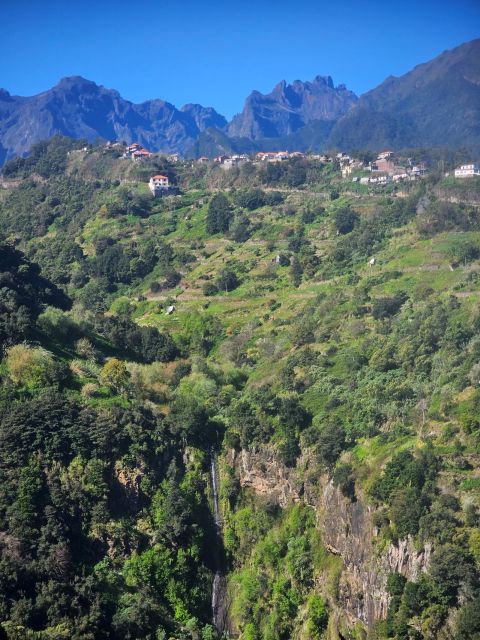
[245, 408]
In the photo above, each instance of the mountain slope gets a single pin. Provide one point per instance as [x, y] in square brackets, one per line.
[82, 109]
[289, 107]
[437, 103]
[260, 403]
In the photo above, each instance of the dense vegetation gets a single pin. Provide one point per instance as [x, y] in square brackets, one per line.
[139, 336]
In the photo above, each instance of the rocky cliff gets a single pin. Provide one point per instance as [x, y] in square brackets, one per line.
[289, 107]
[347, 529]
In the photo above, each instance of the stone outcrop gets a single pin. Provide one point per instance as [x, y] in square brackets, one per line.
[265, 475]
[347, 529]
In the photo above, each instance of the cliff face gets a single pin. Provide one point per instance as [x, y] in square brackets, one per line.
[347, 530]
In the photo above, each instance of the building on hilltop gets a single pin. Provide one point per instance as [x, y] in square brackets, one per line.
[135, 151]
[141, 154]
[158, 185]
[384, 165]
[380, 179]
[234, 161]
[133, 147]
[467, 170]
[385, 155]
[266, 156]
[419, 169]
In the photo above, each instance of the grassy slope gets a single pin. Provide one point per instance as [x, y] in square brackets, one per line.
[267, 306]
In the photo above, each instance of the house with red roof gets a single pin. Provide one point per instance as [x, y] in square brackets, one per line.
[158, 184]
[135, 151]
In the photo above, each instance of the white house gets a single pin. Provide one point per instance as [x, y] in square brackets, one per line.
[158, 184]
[233, 161]
[380, 179]
[467, 170]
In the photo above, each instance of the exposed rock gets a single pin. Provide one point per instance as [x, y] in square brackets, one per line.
[129, 479]
[265, 475]
[347, 530]
[289, 107]
[80, 108]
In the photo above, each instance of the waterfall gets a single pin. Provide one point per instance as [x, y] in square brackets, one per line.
[216, 510]
[219, 586]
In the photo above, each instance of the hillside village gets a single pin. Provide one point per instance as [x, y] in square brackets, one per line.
[382, 170]
[319, 335]
[379, 171]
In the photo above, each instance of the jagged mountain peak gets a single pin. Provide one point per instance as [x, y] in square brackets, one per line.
[81, 108]
[70, 81]
[436, 103]
[289, 107]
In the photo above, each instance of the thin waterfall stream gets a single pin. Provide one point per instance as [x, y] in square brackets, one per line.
[218, 587]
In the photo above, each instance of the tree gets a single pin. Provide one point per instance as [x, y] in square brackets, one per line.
[296, 271]
[240, 230]
[464, 252]
[296, 174]
[227, 280]
[343, 478]
[209, 289]
[30, 367]
[317, 616]
[114, 374]
[468, 621]
[219, 214]
[345, 220]
[386, 307]
[251, 199]
[406, 511]
[331, 442]
[452, 568]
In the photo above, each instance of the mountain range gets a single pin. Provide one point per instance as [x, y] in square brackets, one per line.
[435, 104]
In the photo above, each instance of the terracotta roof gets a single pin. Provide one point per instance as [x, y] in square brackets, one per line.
[159, 178]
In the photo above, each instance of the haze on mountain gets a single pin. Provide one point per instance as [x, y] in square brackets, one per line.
[436, 104]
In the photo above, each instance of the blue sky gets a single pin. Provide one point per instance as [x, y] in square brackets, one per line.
[215, 52]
